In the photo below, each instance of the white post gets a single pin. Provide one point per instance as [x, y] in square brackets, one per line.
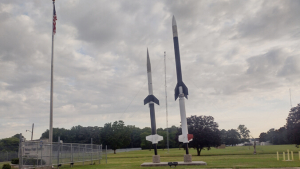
[58, 151]
[288, 153]
[277, 156]
[106, 153]
[37, 154]
[91, 151]
[51, 91]
[71, 154]
[166, 101]
[42, 155]
[20, 152]
[99, 154]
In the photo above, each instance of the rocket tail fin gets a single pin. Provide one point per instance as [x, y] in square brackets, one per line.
[154, 138]
[188, 138]
[150, 98]
[184, 90]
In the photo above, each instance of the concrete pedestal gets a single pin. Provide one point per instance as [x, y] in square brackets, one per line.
[156, 159]
[188, 158]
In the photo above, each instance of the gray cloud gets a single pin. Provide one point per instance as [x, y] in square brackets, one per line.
[272, 20]
[237, 60]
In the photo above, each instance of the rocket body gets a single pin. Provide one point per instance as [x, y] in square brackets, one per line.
[177, 61]
[151, 99]
[149, 74]
[181, 90]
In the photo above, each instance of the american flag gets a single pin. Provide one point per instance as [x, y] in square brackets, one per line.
[54, 19]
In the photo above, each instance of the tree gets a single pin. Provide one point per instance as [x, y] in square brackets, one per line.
[116, 135]
[223, 134]
[243, 131]
[163, 143]
[293, 125]
[205, 131]
[135, 137]
[172, 137]
[9, 144]
[77, 134]
[232, 137]
[263, 137]
[144, 143]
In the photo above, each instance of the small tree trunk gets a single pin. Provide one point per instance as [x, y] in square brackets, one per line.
[198, 151]
[115, 151]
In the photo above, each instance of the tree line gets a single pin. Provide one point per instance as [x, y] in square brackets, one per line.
[117, 135]
[287, 134]
[206, 133]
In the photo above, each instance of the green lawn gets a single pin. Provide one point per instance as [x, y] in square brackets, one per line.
[230, 157]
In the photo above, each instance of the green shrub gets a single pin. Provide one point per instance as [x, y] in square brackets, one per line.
[6, 166]
[15, 161]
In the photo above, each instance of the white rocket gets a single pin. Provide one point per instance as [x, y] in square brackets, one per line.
[151, 99]
[181, 90]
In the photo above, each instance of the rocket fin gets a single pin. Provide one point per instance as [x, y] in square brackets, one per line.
[154, 138]
[180, 138]
[186, 139]
[184, 89]
[150, 98]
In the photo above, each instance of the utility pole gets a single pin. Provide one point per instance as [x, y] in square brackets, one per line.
[166, 101]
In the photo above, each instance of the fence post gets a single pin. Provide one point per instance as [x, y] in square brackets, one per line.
[71, 153]
[92, 151]
[37, 155]
[106, 153]
[20, 153]
[84, 153]
[58, 148]
[41, 145]
[99, 155]
[277, 156]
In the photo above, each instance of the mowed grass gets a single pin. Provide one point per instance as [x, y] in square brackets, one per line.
[230, 157]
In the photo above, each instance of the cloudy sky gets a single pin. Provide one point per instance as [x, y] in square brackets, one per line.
[239, 60]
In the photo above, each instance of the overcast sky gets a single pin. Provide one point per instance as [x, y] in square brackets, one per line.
[239, 60]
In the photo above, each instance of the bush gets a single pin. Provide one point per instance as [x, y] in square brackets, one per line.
[15, 161]
[6, 166]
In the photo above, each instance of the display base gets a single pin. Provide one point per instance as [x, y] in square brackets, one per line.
[149, 164]
[156, 159]
[187, 158]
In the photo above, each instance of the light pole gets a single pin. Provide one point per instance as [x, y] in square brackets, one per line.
[31, 131]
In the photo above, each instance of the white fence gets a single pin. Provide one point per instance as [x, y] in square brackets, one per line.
[38, 153]
[8, 155]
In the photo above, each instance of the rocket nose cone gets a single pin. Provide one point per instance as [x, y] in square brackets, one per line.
[173, 21]
[148, 62]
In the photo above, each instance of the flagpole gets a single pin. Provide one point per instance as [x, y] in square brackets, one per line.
[51, 90]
